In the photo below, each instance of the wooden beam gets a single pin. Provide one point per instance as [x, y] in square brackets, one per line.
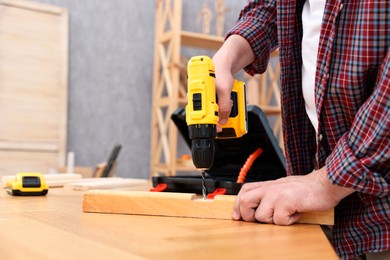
[199, 40]
[29, 5]
[175, 205]
[36, 146]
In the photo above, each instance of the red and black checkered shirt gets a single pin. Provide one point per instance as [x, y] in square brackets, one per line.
[352, 92]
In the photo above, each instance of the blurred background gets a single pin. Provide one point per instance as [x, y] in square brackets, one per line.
[110, 76]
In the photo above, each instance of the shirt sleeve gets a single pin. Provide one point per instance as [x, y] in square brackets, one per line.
[257, 24]
[361, 159]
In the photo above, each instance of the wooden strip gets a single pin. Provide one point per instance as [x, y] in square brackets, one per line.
[104, 183]
[29, 5]
[29, 146]
[174, 205]
[63, 84]
[59, 179]
[198, 40]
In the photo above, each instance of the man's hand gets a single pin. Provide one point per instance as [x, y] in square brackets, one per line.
[224, 83]
[234, 55]
[281, 201]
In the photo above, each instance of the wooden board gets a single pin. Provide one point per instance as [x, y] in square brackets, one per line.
[175, 205]
[33, 86]
[104, 183]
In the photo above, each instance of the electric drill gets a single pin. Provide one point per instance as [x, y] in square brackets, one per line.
[202, 111]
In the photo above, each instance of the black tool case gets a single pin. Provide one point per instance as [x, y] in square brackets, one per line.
[230, 156]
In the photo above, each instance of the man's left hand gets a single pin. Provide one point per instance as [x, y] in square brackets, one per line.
[281, 201]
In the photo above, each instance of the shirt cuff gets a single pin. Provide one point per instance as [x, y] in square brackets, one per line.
[344, 169]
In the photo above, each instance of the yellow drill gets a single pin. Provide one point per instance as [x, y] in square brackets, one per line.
[202, 111]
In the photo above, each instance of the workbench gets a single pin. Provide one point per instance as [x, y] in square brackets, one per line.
[55, 227]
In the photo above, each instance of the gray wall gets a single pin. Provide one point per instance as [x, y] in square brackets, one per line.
[110, 77]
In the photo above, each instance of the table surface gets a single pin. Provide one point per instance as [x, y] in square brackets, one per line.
[55, 227]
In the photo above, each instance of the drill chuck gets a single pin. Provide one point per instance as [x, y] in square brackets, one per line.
[202, 144]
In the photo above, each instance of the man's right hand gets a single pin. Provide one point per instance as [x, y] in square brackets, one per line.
[234, 55]
[224, 83]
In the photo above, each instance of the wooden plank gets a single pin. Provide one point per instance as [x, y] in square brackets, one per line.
[175, 205]
[33, 6]
[199, 40]
[29, 146]
[63, 85]
[33, 86]
[86, 172]
[104, 183]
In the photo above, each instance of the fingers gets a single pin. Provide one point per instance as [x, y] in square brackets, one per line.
[279, 201]
[224, 83]
[243, 201]
[255, 203]
[283, 217]
[269, 215]
[245, 206]
[265, 212]
[224, 104]
[270, 212]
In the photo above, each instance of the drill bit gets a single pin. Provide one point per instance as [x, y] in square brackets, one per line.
[204, 190]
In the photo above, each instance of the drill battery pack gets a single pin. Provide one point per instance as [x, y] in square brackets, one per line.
[230, 157]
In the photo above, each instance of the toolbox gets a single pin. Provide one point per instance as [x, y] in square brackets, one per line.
[230, 157]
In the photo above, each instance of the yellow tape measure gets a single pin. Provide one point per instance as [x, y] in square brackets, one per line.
[27, 184]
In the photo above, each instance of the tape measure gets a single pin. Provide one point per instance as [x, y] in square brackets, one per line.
[27, 184]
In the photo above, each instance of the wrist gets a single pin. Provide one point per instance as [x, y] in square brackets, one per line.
[336, 192]
[235, 54]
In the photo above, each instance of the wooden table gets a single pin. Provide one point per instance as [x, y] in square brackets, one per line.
[54, 227]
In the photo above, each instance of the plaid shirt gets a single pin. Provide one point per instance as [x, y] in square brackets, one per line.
[352, 92]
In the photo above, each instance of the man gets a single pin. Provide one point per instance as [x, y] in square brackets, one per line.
[335, 89]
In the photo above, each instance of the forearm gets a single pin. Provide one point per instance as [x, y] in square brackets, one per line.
[257, 25]
[361, 158]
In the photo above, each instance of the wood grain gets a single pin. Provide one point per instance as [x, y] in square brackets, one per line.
[33, 86]
[55, 227]
[175, 205]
